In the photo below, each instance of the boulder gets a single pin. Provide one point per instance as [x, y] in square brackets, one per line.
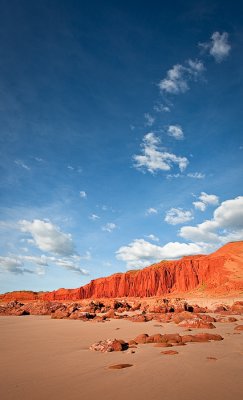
[109, 345]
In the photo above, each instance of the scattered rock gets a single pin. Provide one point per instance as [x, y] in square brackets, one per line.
[169, 352]
[200, 337]
[108, 345]
[120, 366]
[141, 339]
[239, 328]
[196, 323]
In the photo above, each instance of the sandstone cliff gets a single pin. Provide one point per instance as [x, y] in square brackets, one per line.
[220, 273]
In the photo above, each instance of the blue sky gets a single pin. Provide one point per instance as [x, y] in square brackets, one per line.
[121, 136]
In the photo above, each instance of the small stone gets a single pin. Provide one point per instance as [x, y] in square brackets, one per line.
[169, 352]
[239, 328]
[120, 366]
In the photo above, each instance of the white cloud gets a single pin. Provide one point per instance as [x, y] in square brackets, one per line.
[141, 253]
[174, 82]
[177, 77]
[48, 237]
[205, 200]
[226, 224]
[178, 216]
[175, 131]
[209, 198]
[149, 120]
[83, 194]
[70, 264]
[218, 47]
[151, 210]
[13, 265]
[22, 165]
[199, 205]
[109, 227]
[196, 175]
[94, 217]
[153, 238]
[155, 159]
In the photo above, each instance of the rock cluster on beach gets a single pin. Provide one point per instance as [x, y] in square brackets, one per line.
[160, 310]
[166, 340]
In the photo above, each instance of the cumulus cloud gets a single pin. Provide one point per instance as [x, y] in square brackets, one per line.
[218, 46]
[154, 159]
[109, 227]
[226, 224]
[149, 120]
[177, 216]
[83, 194]
[199, 205]
[205, 200]
[177, 78]
[209, 198]
[141, 253]
[48, 237]
[175, 131]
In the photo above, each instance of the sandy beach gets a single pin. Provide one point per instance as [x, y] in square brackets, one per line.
[45, 358]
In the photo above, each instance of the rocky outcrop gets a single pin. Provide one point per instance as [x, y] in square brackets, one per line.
[220, 273]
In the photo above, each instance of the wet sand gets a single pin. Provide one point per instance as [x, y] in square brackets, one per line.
[44, 358]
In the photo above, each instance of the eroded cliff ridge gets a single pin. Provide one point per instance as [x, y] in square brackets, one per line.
[219, 273]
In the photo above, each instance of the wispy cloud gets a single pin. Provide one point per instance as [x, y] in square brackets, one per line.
[94, 217]
[74, 169]
[175, 131]
[218, 46]
[151, 210]
[13, 265]
[16, 264]
[21, 164]
[161, 108]
[196, 175]
[153, 237]
[176, 216]
[178, 77]
[149, 119]
[155, 159]
[83, 194]
[109, 227]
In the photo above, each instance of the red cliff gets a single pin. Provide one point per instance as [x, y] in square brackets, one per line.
[220, 273]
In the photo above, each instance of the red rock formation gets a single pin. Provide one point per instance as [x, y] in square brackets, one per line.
[220, 273]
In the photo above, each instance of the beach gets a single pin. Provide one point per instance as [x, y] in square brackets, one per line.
[45, 358]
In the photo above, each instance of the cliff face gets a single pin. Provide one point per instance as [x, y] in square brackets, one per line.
[220, 272]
